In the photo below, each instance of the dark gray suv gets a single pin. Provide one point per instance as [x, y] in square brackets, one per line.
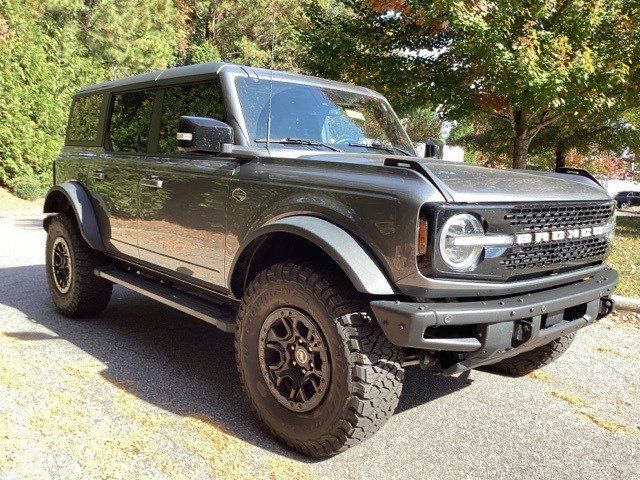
[294, 212]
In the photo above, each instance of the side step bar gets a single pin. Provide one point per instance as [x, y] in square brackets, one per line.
[222, 317]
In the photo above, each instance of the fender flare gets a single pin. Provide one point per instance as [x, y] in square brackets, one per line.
[82, 207]
[358, 264]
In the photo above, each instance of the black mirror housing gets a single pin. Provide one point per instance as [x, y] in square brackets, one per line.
[433, 148]
[204, 135]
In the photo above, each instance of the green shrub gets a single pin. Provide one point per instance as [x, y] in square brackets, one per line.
[27, 187]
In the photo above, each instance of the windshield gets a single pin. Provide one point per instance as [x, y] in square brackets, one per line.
[320, 118]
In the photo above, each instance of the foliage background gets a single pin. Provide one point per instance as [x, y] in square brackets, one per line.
[521, 78]
[578, 60]
[50, 49]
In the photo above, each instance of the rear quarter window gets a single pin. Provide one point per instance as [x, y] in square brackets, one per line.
[84, 119]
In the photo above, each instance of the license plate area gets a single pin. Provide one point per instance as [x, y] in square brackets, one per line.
[568, 315]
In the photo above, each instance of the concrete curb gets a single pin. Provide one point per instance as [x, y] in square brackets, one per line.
[626, 304]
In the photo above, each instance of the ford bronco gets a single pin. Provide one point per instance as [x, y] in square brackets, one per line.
[293, 212]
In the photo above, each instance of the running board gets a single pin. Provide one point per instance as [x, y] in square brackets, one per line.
[222, 317]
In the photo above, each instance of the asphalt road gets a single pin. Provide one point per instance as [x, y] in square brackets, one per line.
[143, 391]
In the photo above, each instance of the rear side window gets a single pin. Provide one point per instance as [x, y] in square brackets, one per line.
[199, 100]
[130, 120]
[84, 118]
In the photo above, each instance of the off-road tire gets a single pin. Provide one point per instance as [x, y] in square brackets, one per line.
[366, 369]
[88, 294]
[529, 361]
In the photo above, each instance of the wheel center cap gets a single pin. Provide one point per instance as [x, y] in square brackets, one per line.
[301, 356]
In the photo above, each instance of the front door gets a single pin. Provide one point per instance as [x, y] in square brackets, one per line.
[184, 197]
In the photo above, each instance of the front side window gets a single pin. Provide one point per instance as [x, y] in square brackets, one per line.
[325, 117]
[84, 118]
[130, 120]
[198, 100]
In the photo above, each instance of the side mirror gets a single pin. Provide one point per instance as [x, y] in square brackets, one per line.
[206, 135]
[433, 148]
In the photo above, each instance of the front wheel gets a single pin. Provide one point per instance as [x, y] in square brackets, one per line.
[316, 367]
[625, 205]
[75, 290]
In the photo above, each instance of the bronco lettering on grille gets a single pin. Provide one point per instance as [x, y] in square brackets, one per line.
[557, 235]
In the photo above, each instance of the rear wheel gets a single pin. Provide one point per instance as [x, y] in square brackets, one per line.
[316, 367]
[534, 359]
[75, 290]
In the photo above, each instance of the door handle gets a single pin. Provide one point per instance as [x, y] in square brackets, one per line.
[99, 175]
[151, 182]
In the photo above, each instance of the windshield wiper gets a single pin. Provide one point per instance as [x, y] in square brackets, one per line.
[380, 146]
[298, 141]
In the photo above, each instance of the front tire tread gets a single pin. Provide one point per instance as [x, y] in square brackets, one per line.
[376, 372]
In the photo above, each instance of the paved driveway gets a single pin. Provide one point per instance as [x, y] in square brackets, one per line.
[143, 391]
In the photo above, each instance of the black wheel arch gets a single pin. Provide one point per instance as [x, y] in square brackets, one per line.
[72, 197]
[306, 236]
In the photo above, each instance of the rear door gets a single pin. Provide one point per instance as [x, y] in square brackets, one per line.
[183, 197]
[117, 176]
[81, 155]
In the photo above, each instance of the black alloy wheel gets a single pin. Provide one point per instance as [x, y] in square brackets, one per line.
[294, 359]
[61, 265]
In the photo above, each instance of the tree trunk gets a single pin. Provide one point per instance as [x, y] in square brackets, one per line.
[520, 151]
[561, 154]
[521, 140]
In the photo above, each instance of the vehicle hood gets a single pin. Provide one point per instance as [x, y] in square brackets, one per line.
[471, 183]
[464, 183]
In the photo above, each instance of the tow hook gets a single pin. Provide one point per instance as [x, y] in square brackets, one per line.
[428, 359]
[606, 307]
[522, 330]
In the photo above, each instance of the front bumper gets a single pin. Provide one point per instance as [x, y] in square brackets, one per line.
[497, 328]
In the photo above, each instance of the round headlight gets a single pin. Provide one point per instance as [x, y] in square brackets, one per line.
[461, 258]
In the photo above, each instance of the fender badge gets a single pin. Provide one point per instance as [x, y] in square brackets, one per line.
[239, 194]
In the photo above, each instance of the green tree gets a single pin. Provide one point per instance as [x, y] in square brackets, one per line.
[422, 123]
[610, 134]
[41, 63]
[525, 64]
[50, 49]
[132, 35]
[241, 31]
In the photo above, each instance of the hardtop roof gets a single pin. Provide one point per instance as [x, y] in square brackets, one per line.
[207, 71]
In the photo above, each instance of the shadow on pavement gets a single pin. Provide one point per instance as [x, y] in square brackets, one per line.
[170, 359]
[28, 223]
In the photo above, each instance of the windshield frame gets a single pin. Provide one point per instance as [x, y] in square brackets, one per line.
[238, 116]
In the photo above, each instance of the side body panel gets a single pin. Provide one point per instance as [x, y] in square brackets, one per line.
[377, 205]
[183, 223]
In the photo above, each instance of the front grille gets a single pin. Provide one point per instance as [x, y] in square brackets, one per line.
[556, 253]
[540, 257]
[539, 218]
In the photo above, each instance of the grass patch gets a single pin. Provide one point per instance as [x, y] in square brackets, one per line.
[9, 202]
[625, 256]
